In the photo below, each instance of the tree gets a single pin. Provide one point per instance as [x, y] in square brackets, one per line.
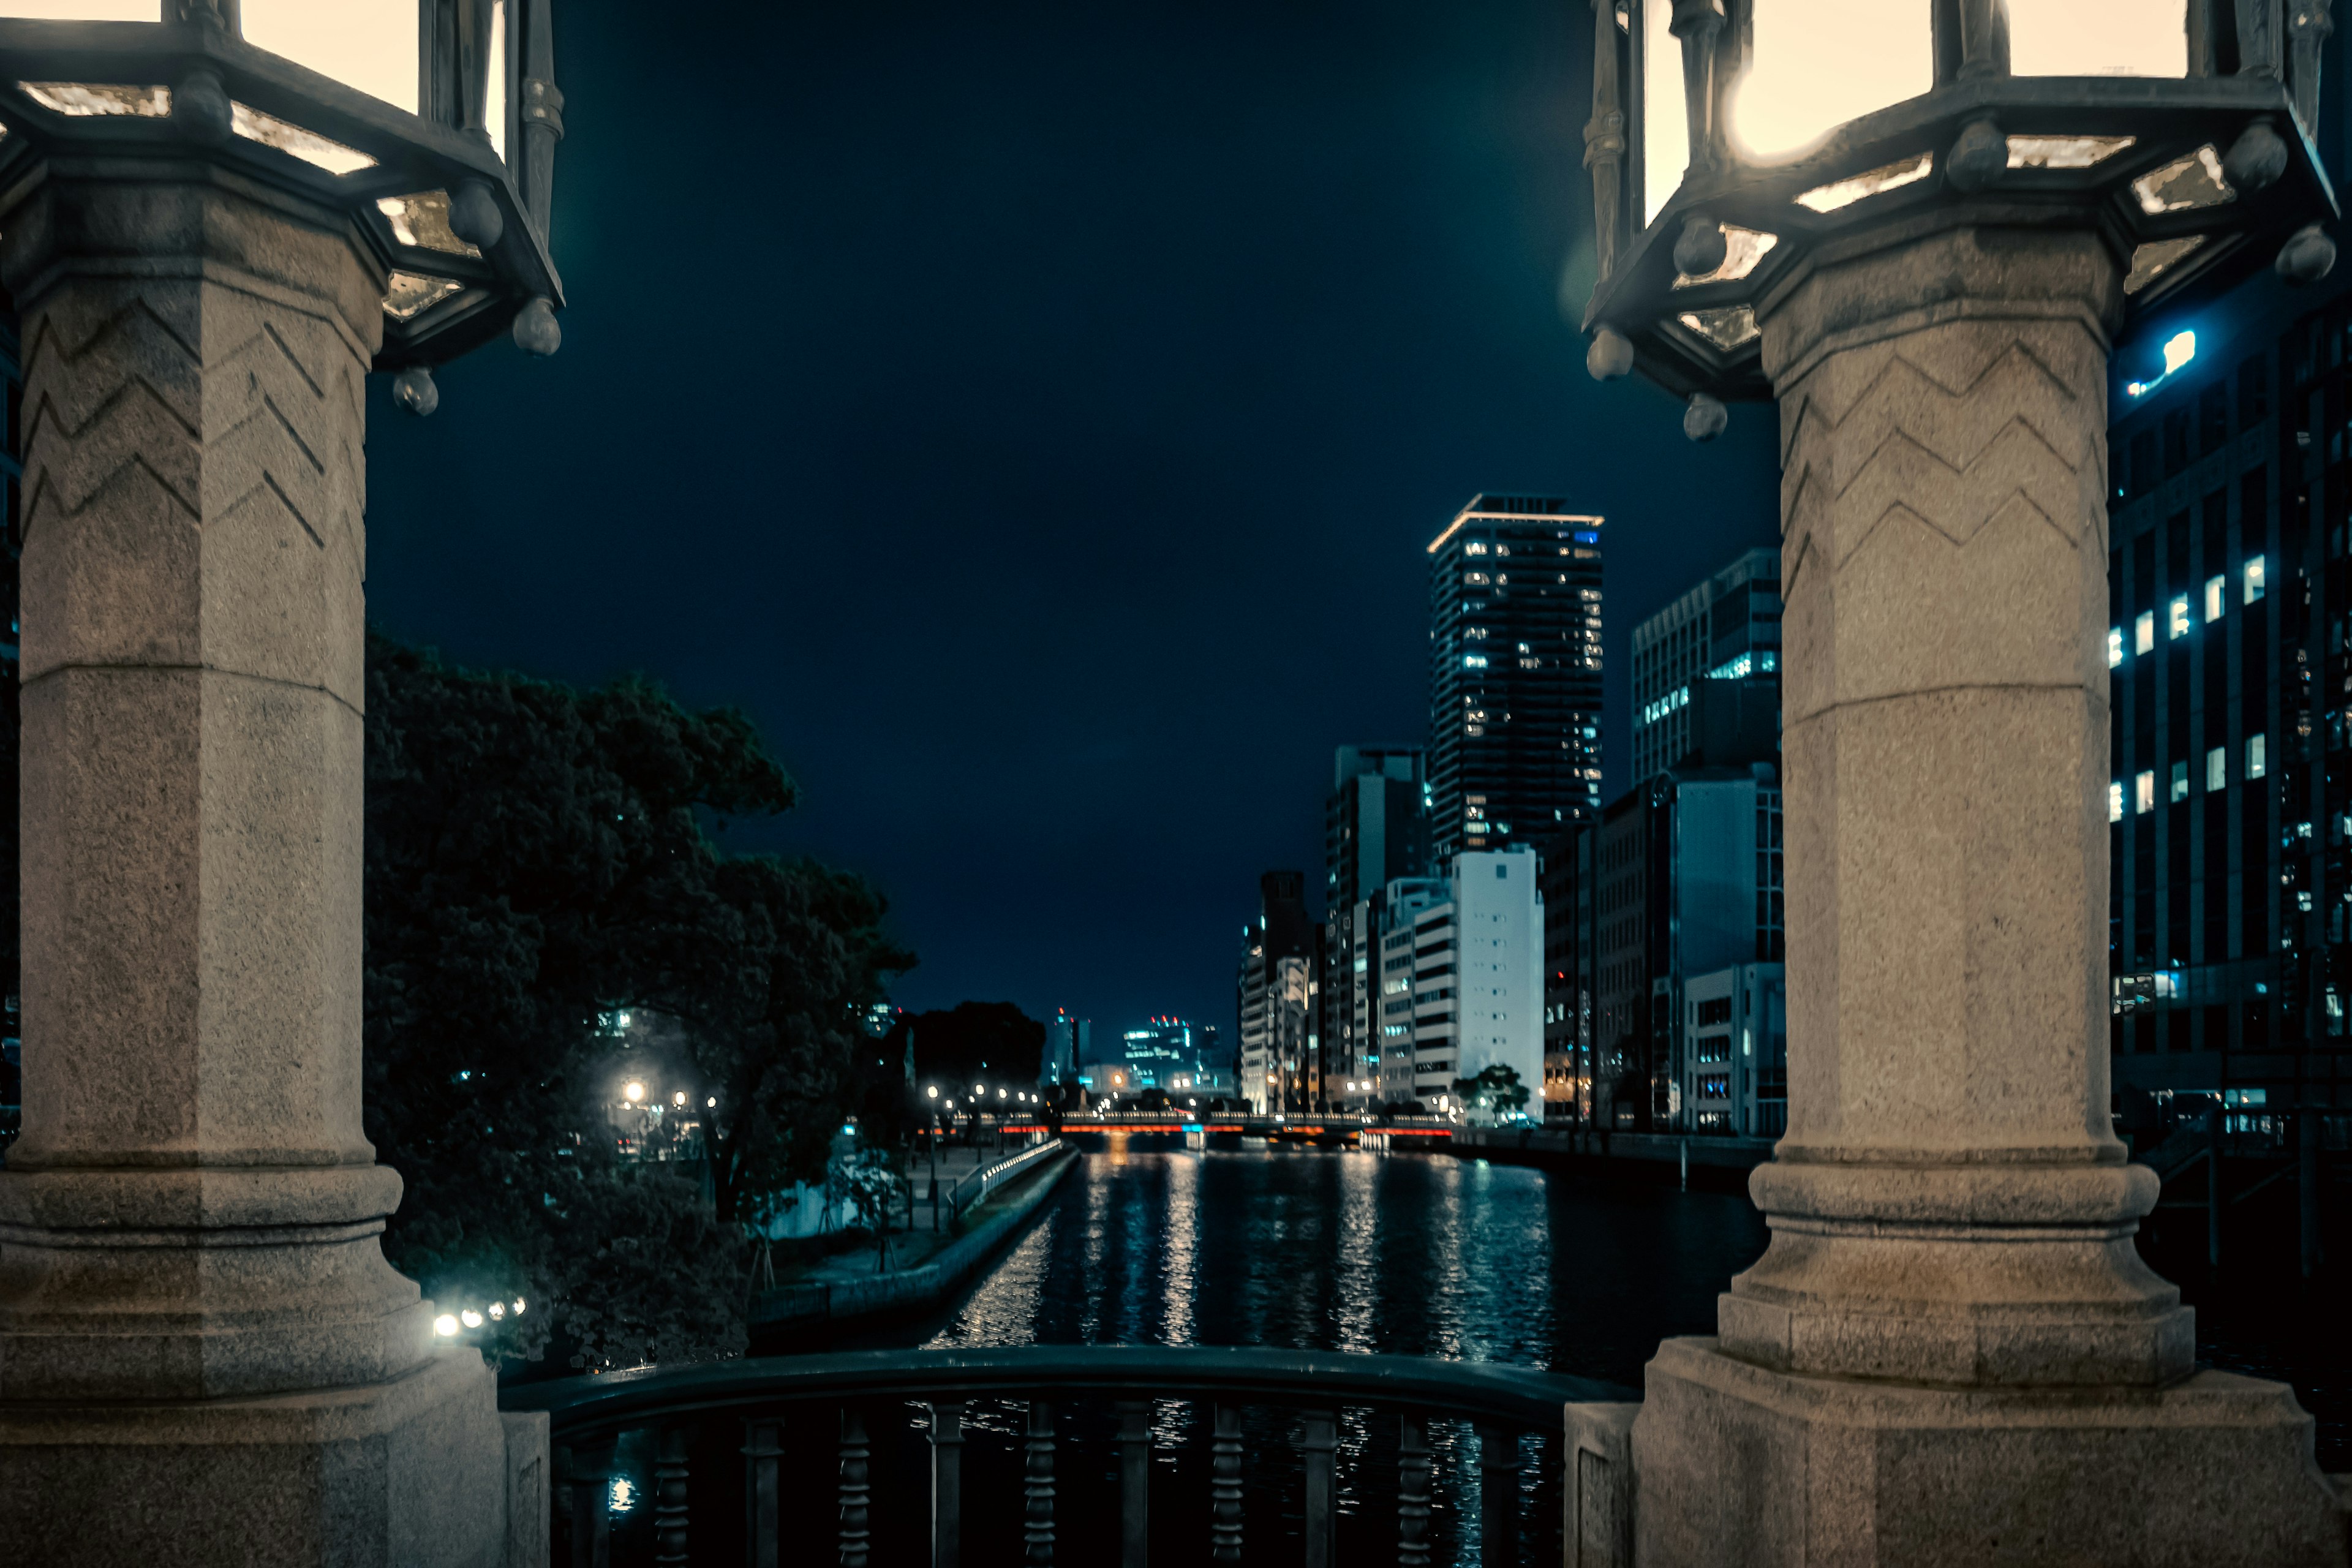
[1495, 1094]
[537, 858]
[773, 1004]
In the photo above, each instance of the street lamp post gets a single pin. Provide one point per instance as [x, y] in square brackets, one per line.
[211, 245]
[1920, 227]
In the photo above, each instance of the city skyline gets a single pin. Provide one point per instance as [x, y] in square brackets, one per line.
[1057, 579]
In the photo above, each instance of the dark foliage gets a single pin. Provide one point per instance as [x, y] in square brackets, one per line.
[537, 858]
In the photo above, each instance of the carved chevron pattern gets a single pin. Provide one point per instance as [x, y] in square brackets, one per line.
[1945, 429]
[217, 399]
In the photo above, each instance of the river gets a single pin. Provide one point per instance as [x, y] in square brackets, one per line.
[1430, 1255]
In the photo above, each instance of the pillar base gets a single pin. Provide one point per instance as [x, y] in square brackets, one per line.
[1736, 1464]
[414, 1472]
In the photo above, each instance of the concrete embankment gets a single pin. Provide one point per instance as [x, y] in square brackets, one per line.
[1709, 1161]
[922, 1286]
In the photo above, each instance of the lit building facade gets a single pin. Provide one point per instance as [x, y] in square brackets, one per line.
[1515, 673]
[1069, 1046]
[1734, 1065]
[2229, 804]
[1477, 976]
[1569, 891]
[1278, 984]
[1687, 871]
[1395, 918]
[1727, 628]
[1375, 830]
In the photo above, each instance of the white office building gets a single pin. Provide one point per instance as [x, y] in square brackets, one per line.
[1477, 976]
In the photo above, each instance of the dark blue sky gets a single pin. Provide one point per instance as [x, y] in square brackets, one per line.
[1034, 415]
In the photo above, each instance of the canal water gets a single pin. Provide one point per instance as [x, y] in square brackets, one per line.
[1410, 1254]
[1431, 1255]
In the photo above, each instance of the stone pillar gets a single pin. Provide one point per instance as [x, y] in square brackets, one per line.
[204, 1356]
[1951, 1351]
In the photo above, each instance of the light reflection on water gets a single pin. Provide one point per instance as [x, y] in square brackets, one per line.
[1411, 1254]
[1407, 1254]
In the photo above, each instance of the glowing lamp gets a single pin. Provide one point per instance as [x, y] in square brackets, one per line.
[1734, 141]
[446, 1325]
[431, 125]
[632, 1092]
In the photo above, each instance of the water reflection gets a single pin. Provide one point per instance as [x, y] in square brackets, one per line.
[1411, 1254]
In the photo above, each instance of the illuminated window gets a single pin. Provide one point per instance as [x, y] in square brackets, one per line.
[2214, 588]
[2257, 764]
[2177, 618]
[2115, 647]
[2144, 632]
[2144, 792]
[2217, 768]
[2255, 580]
[2179, 780]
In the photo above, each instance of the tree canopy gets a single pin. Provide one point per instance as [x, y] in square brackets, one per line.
[538, 857]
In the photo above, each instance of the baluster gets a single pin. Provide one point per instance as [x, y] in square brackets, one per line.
[587, 1478]
[947, 1485]
[1225, 1486]
[1412, 1494]
[1498, 1495]
[669, 1496]
[761, 1452]
[1318, 1440]
[855, 1537]
[1038, 1484]
[1134, 1483]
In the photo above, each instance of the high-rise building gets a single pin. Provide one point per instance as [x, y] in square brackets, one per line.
[1163, 1050]
[1477, 976]
[1069, 1047]
[1687, 873]
[1278, 984]
[1375, 829]
[1514, 674]
[2229, 804]
[1727, 627]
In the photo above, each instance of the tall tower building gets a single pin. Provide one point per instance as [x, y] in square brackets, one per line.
[1375, 829]
[1514, 674]
[1726, 628]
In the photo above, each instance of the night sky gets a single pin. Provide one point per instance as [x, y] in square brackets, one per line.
[1033, 415]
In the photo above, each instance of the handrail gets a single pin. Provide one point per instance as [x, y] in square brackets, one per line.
[989, 1174]
[1494, 1389]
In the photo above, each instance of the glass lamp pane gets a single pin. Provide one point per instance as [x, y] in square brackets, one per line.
[1665, 122]
[494, 98]
[2098, 37]
[370, 45]
[83, 10]
[1820, 63]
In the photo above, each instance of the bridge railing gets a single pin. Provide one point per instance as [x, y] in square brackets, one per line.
[979, 1183]
[737, 1453]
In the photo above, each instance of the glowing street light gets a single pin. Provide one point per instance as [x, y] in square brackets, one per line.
[933, 1092]
[678, 1099]
[1738, 147]
[470, 1317]
[446, 1325]
[632, 1092]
